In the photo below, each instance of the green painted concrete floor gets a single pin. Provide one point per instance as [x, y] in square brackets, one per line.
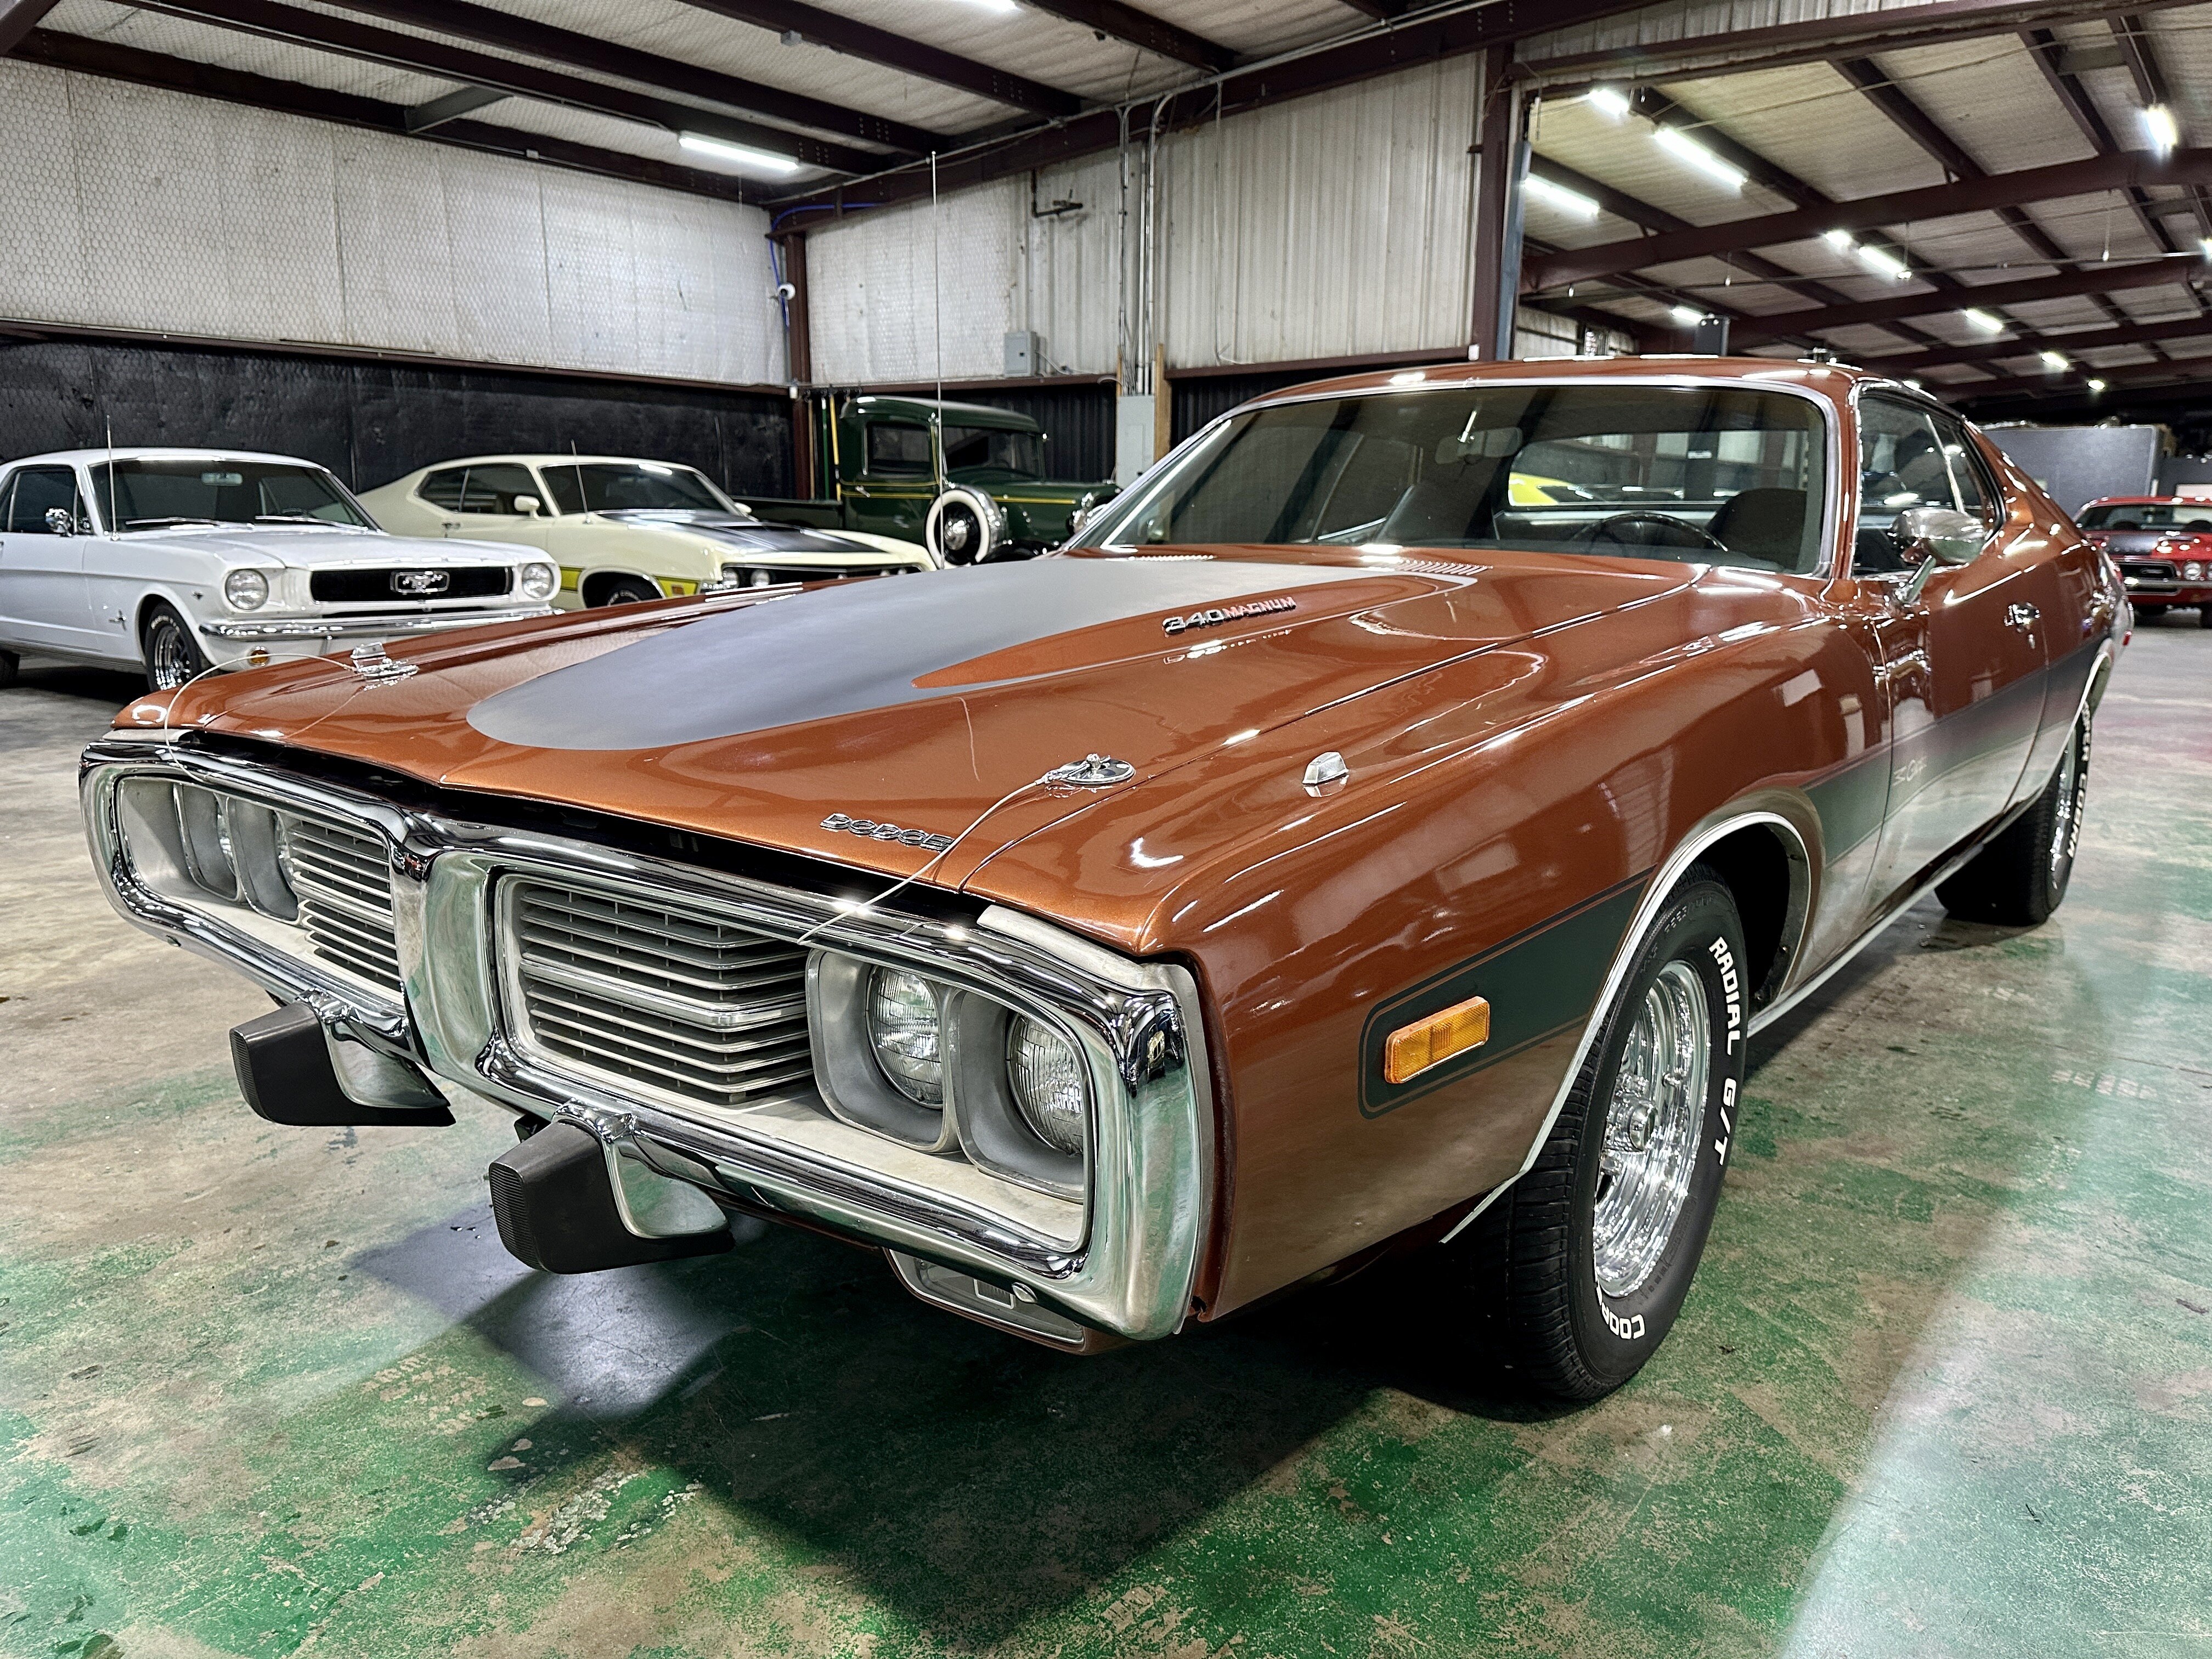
[1943, 1387]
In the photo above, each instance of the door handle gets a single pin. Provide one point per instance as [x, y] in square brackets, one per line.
[2022, 616]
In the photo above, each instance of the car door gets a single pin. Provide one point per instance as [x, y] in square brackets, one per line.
[477, 503]
[1963, 659]
[44, 532]
[897, 482]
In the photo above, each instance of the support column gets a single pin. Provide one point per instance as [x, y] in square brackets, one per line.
[1500, 165]
[798, 343]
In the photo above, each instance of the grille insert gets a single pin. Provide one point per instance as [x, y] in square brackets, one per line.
[382, 587]
[679, 1003]
[343, 883]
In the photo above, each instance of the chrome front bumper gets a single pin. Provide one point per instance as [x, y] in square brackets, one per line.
[1133, 1267]
[359, 627]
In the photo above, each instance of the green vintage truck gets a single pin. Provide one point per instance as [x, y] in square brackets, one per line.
[966, 479]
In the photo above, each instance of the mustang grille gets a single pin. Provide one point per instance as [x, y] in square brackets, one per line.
[382, 587]
[679, 1003]
[344, 887]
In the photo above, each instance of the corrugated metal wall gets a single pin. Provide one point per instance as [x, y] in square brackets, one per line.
[128, 207]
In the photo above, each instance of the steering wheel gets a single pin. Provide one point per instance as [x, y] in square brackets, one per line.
[1671, 532]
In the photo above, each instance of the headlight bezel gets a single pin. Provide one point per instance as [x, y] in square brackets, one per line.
[550, 580]
[245, 588]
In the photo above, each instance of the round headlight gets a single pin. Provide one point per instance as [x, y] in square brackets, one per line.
[733, 575]
[903, 1028]
[246, 590]
[2193, 572]
[539, 580]
[1047, 1077]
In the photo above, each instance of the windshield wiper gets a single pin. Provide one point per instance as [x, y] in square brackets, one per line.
[297, 518]
[149, 524]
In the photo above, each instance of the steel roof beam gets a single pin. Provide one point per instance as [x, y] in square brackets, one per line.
[2132, 34]
[1983, 352]
[116, 62]
[1111, 19]
[2094, 279]
[856, 39]
[504, 31]
[1985, 195]
[409, 51]
[18, 18]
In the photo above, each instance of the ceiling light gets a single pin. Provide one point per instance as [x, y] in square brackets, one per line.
[1688, 316]
[2159, 128]
[1686, 148]
[2206, 244]
[1838, 239]
[1004, 7]
[2096, 385]
[1989, 322]
[744, 155]
[1557, 196]
[1887, 264]
[2056, 360]
[1611, 100]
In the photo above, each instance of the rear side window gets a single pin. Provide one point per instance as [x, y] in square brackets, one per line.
[487, 489]
[38, 490]
[899, 451]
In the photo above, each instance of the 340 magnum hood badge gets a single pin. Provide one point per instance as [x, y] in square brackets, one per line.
[1214, 615]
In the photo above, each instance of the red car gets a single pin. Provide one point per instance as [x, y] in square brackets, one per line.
[2162, 546]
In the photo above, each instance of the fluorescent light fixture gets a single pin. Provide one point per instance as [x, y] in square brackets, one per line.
[2206, 244]
[1988, 322]
[1838, 239]
[2095, 385]
[2159, 128]
[1557, 196]
[1611, 100]
[744, 155]
[1688, 316]
[1685, 149]
[2056, 360]
[1888, 264]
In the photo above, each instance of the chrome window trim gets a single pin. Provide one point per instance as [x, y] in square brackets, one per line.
[1132, 1270]
[1833, 559]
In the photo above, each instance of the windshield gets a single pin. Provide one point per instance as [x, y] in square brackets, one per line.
[2152, 515]
[147, 494]
[1716, 474]
[629, 486]
[979, 452]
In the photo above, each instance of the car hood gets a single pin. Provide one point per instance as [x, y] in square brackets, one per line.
[317, 549]
[927, 701]
[744, 534]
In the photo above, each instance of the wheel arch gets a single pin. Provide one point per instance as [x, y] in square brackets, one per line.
[591, 583]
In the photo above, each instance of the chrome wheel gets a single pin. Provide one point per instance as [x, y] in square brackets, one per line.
[1652, 1124]
[2067, 830]
[170, 660]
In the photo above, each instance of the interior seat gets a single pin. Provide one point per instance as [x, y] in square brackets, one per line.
[1762, 523]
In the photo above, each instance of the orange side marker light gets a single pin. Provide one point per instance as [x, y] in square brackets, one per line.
[1412, 1049]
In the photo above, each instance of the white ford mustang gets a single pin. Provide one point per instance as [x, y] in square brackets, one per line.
[180, 560]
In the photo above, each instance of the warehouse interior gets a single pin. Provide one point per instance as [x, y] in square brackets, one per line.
[1944, 1384]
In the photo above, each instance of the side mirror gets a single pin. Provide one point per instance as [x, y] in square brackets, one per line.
[1932, 536]
[527, 504]
[61, 521]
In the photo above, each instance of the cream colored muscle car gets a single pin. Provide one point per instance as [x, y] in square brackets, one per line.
[624, 530]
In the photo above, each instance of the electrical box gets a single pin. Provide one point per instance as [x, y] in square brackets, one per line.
[1134, 437]
[1024, 354]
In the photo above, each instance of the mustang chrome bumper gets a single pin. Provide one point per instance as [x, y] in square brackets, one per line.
[355, 627]
[1126, 1264]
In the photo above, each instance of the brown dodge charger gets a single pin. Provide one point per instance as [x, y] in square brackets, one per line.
[1383, 825]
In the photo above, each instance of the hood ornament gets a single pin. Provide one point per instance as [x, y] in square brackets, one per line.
[1324, 771]
[1092, 772]
[373, 664]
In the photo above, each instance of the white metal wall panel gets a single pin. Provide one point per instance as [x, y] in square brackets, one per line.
[139, 209]
[1071, 267]
[879, 311]
[1328, 226]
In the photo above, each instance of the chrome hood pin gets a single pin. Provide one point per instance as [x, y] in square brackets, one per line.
[1092, 772]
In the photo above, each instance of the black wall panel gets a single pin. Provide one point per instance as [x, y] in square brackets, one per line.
[369, 421]
[1078, 423]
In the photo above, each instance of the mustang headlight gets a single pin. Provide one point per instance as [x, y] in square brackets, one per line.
[246, 590]
[539, 580]
[1047, 1076]
[903, 1031]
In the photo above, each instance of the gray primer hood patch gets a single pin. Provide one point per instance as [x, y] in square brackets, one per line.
[841, 650]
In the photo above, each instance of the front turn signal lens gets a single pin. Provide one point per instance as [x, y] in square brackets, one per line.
[1412, 1049]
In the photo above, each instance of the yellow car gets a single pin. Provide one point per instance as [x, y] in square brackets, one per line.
[1528, 489]
[624, 530]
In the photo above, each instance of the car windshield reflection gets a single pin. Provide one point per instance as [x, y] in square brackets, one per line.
[164, 494]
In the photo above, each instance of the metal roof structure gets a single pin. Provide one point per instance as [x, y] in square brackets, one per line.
[2009, 200]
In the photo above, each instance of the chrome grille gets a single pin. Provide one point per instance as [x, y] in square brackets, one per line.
[344, 882]
[677, 1002]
